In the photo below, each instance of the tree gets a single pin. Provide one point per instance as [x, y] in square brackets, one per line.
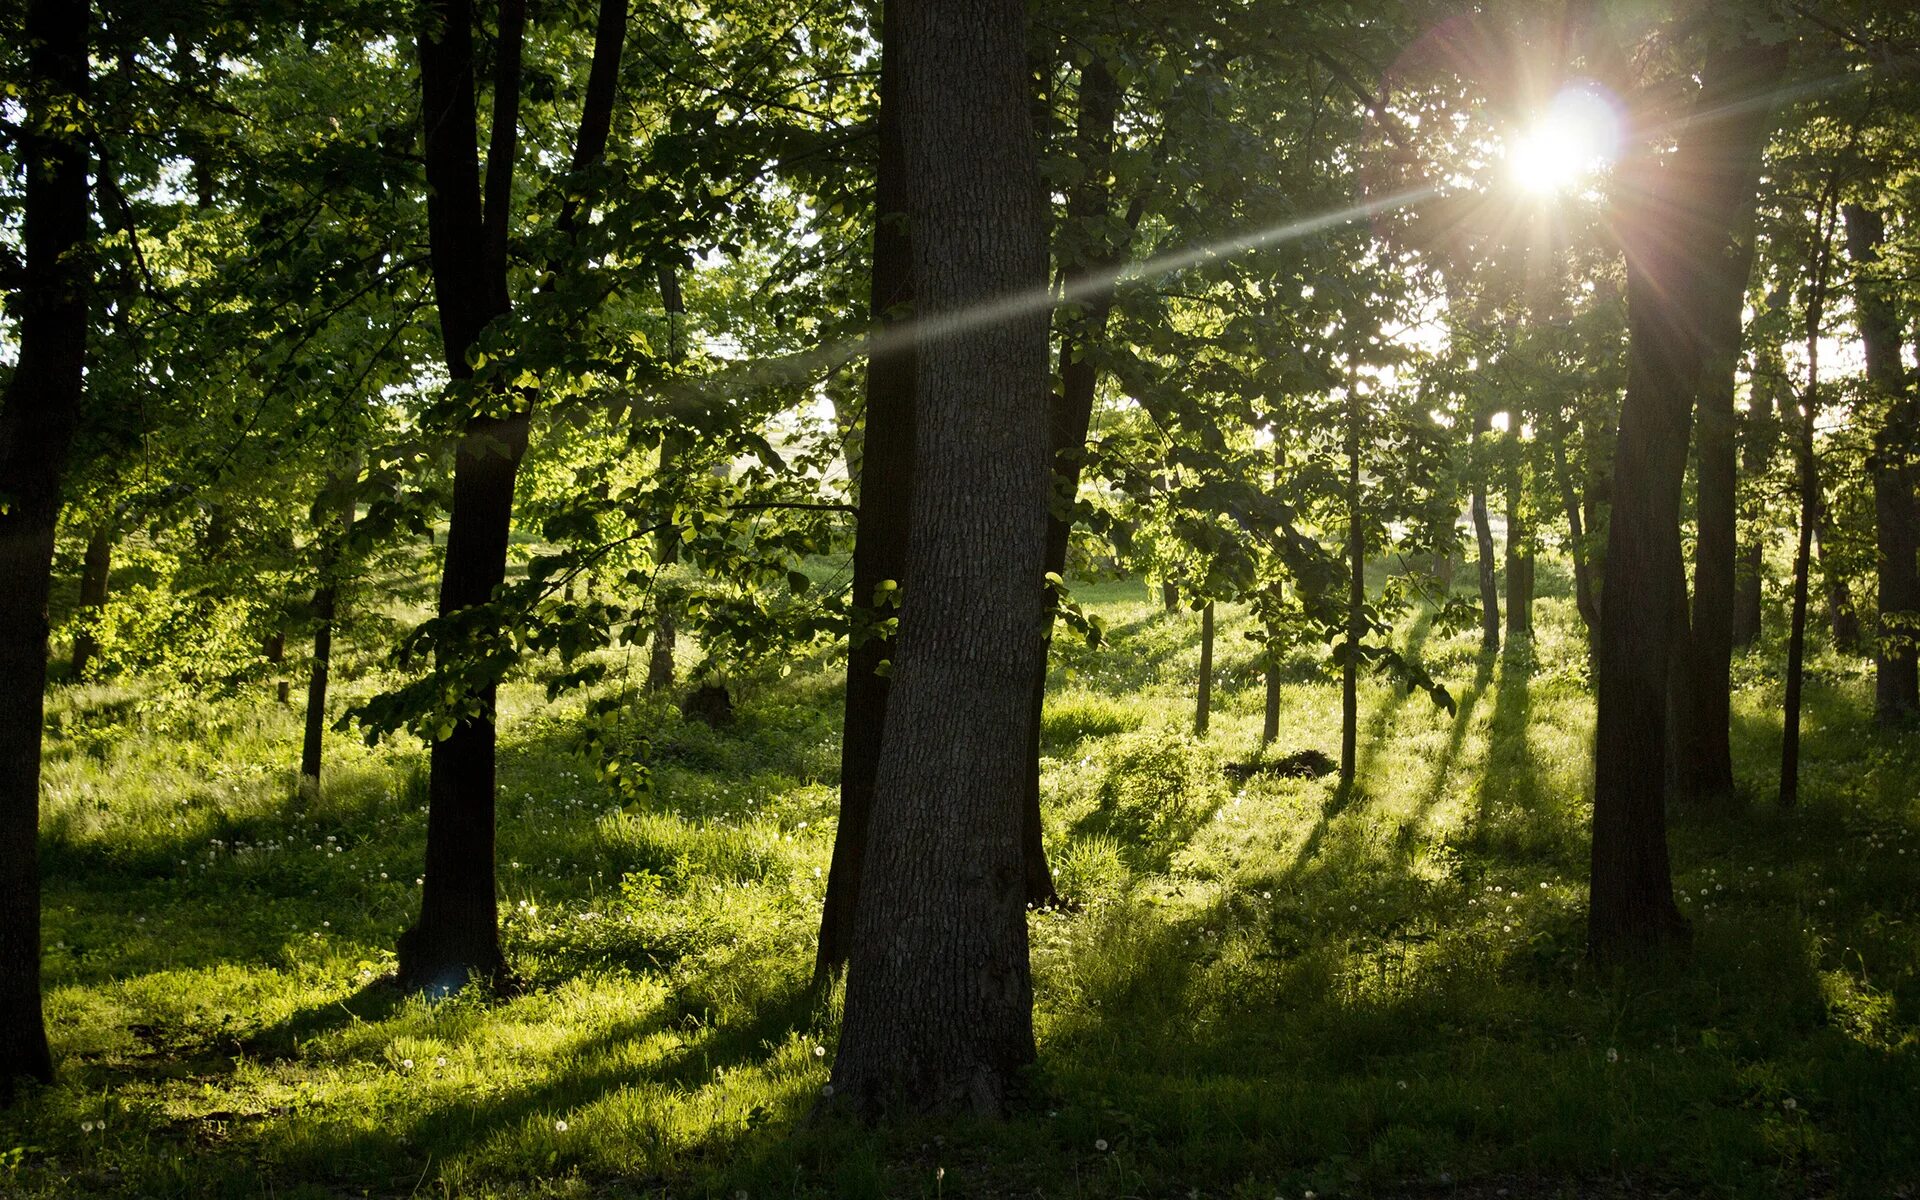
[1682, 232]
[939, 991]
[881, 522]
[38, 419]
[1897, 523]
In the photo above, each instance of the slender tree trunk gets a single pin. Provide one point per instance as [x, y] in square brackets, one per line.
[1677, 239]
[1519, 540]
[1169, 597]
[94, 578]
[880, 524]
[1070, 409]
[1761, 428]
[1810, 500]
[1203, 703]
[1584, 600]
[326, 606]
[38, 417]
[1483, 537]
[1896, 689]
[1705, 759]
[456, 935]
[1356, 590]
[939, 997]
[1270, 725]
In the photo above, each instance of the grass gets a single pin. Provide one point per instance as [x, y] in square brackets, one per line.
[1269, 988]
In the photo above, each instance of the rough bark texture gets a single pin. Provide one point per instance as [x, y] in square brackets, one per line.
[939, 990]
[38, 417]
[1683, 229]
[880, 525]
[1203, 698]
[1483, 538]
[1896, 690]
[456, 935]
[95, 573]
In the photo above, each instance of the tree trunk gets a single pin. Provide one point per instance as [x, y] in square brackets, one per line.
[38, 418]
[1519, 540]
[1584, 600]
[1810, 498]
[667, 543]
[326, 606]
[1357, 589]
[1843, 617]
[456, 935]
[880, 524]
[1705, 758]
[1169, 596]
[1761, 428]
[1070, 409]
[1483, 537]
[939, 1003]
[1677, 240]
[1896, 689]
[1203, 702]
[94, 577]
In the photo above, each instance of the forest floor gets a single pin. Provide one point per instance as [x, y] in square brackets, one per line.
[1269, 988]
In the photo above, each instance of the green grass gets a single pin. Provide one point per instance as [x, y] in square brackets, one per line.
[1268, 988]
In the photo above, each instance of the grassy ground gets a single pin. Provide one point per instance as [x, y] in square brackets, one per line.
[1269, 990]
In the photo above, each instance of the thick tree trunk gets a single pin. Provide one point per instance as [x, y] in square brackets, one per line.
[1203, 699]
[456, 935]
[38, 417]
[95, 574]
[1169, 597]
[1685, 231]
[939, 997]
[1896, 689]
[880, 524]
[1483, 537]
[326, 607]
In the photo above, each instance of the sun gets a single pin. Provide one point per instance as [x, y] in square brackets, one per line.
[1571, 142]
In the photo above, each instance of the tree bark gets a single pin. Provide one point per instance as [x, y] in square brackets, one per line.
[1357, 589]
[1705, 760]
[667, 544]
[1685, 229]
[1483, 537]
[38, 418]
[1169, 596]
[456, 935]
[1896, 689]
[1519, 539]
[1761, 429]
[95, 575]
[1203, 701]
[1810, 498]
[326, 607]
[880, 522]
[938, 1012]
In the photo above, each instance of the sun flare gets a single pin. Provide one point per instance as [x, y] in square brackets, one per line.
[1567, 145]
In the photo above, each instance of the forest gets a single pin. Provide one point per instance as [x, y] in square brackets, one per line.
[1020, 598]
